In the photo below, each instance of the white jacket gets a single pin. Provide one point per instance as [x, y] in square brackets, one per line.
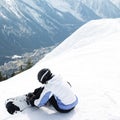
[62, 92]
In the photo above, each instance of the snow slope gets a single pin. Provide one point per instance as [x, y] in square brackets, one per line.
[90, 60]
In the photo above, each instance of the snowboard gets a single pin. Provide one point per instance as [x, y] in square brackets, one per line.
[17, 104]
[20, 103]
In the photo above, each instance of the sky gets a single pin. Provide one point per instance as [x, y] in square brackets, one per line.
[90, 60]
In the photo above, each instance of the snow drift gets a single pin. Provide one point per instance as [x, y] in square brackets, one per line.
[90, 60]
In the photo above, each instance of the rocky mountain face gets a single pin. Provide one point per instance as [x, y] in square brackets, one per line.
[26, 25]
[29, 24]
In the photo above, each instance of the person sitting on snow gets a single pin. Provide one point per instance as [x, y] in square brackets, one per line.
[55, 91]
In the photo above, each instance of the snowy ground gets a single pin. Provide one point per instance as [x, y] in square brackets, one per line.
[90, 60]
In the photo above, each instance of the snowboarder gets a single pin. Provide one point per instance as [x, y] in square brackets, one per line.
[55, 92]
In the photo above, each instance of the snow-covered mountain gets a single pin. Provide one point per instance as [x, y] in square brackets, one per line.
[89, 59]
[116, 2]
[29, 24]
[104, 8]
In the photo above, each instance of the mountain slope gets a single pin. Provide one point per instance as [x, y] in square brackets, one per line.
[30, 24]
[116, 3]
[26, 25]
[89, 60]
[76, 8]
[104, 8]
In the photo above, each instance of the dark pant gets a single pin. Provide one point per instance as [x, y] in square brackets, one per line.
[53, 102]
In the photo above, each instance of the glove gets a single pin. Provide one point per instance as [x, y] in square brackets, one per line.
[37, 92]
[31, 97]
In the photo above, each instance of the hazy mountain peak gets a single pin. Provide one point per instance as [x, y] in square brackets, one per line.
[103, 8]
[116, 2]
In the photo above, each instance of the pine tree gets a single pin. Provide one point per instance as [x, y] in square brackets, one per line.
[29, 64]
[21, 69]
[13, 74]
[1, 77]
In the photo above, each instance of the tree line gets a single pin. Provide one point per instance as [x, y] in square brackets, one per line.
[29, 64]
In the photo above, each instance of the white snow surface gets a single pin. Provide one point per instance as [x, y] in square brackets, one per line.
[90, 60]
